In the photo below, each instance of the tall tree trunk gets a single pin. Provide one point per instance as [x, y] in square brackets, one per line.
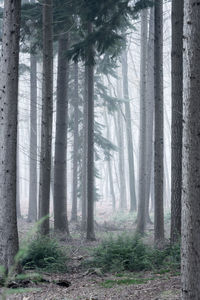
[60, 162]
[90, 144]
[149, 112]
[133, 204]
[32, 210]
[177, 110]
[141, 218]
[119, 127]
[191, 154]
[84, 154]
[47, 113]
[158, 150]
[75, 146]
[8, 133]
[112, 192]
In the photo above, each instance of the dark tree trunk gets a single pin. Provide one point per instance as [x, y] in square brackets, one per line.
[32, 210]
[90, 145]
[141, 218]
[177, 111]
[75, 146]
[47, 113]
[191, 154]
[84, 154]
[60, 161]
[8, 133]
[158, 150]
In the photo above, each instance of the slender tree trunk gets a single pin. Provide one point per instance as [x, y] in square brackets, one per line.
[32, 211]
[122, 180]
[47, 112]
[84, 154]
[177, 110]
[141, 218]
[149, 112]
[191, 154]
[8, 133]
[119, 126]
[112, 192]
[158, 150]
[133, 203]
[75, 146]
[19, 215]
[60, 162]
[90, 145]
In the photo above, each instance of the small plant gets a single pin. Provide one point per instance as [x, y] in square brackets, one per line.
[46, 254]
[126, 253]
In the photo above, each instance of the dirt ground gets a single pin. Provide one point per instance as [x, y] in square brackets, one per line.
[91, 284]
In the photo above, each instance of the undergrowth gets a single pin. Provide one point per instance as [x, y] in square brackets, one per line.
[46, 254]
[130, 253]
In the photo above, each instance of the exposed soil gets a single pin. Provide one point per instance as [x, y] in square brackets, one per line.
[91, 284]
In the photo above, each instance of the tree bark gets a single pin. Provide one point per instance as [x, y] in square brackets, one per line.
[90, 144]
[177, 111]
[133, 203]
[47, 113]
[191, 153]
[158, 149]
[141, 218]
[60, 161]
[8, 132]
[149, 113]
[32, 210]
[84, 154]
[75, 146]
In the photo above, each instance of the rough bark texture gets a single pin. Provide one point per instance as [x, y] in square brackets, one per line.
[191, 154]
[47, 111]
[32, 210]
[8, 132]
[75, 146]
[158, 150]
[84, 154]
[133, 204]
[177, 110]
[141, 218]
[60, 162]
[90, 145]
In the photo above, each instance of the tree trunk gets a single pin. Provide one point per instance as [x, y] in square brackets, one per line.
[149, 112]
[158, 150]
[112, 192]
[47, 112]
[133, 204]
[75, 146]
[177, 110]
[8, 132]
[60, 161]
[119, 127]
[191, 154]
[19, 215]
[90, 144]
[141, 218]
[32, 211]
[84, 154]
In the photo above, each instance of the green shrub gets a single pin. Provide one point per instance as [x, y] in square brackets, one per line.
[44, 253]
[131, 254]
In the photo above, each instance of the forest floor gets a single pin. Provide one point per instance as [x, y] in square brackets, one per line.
[87, 283]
